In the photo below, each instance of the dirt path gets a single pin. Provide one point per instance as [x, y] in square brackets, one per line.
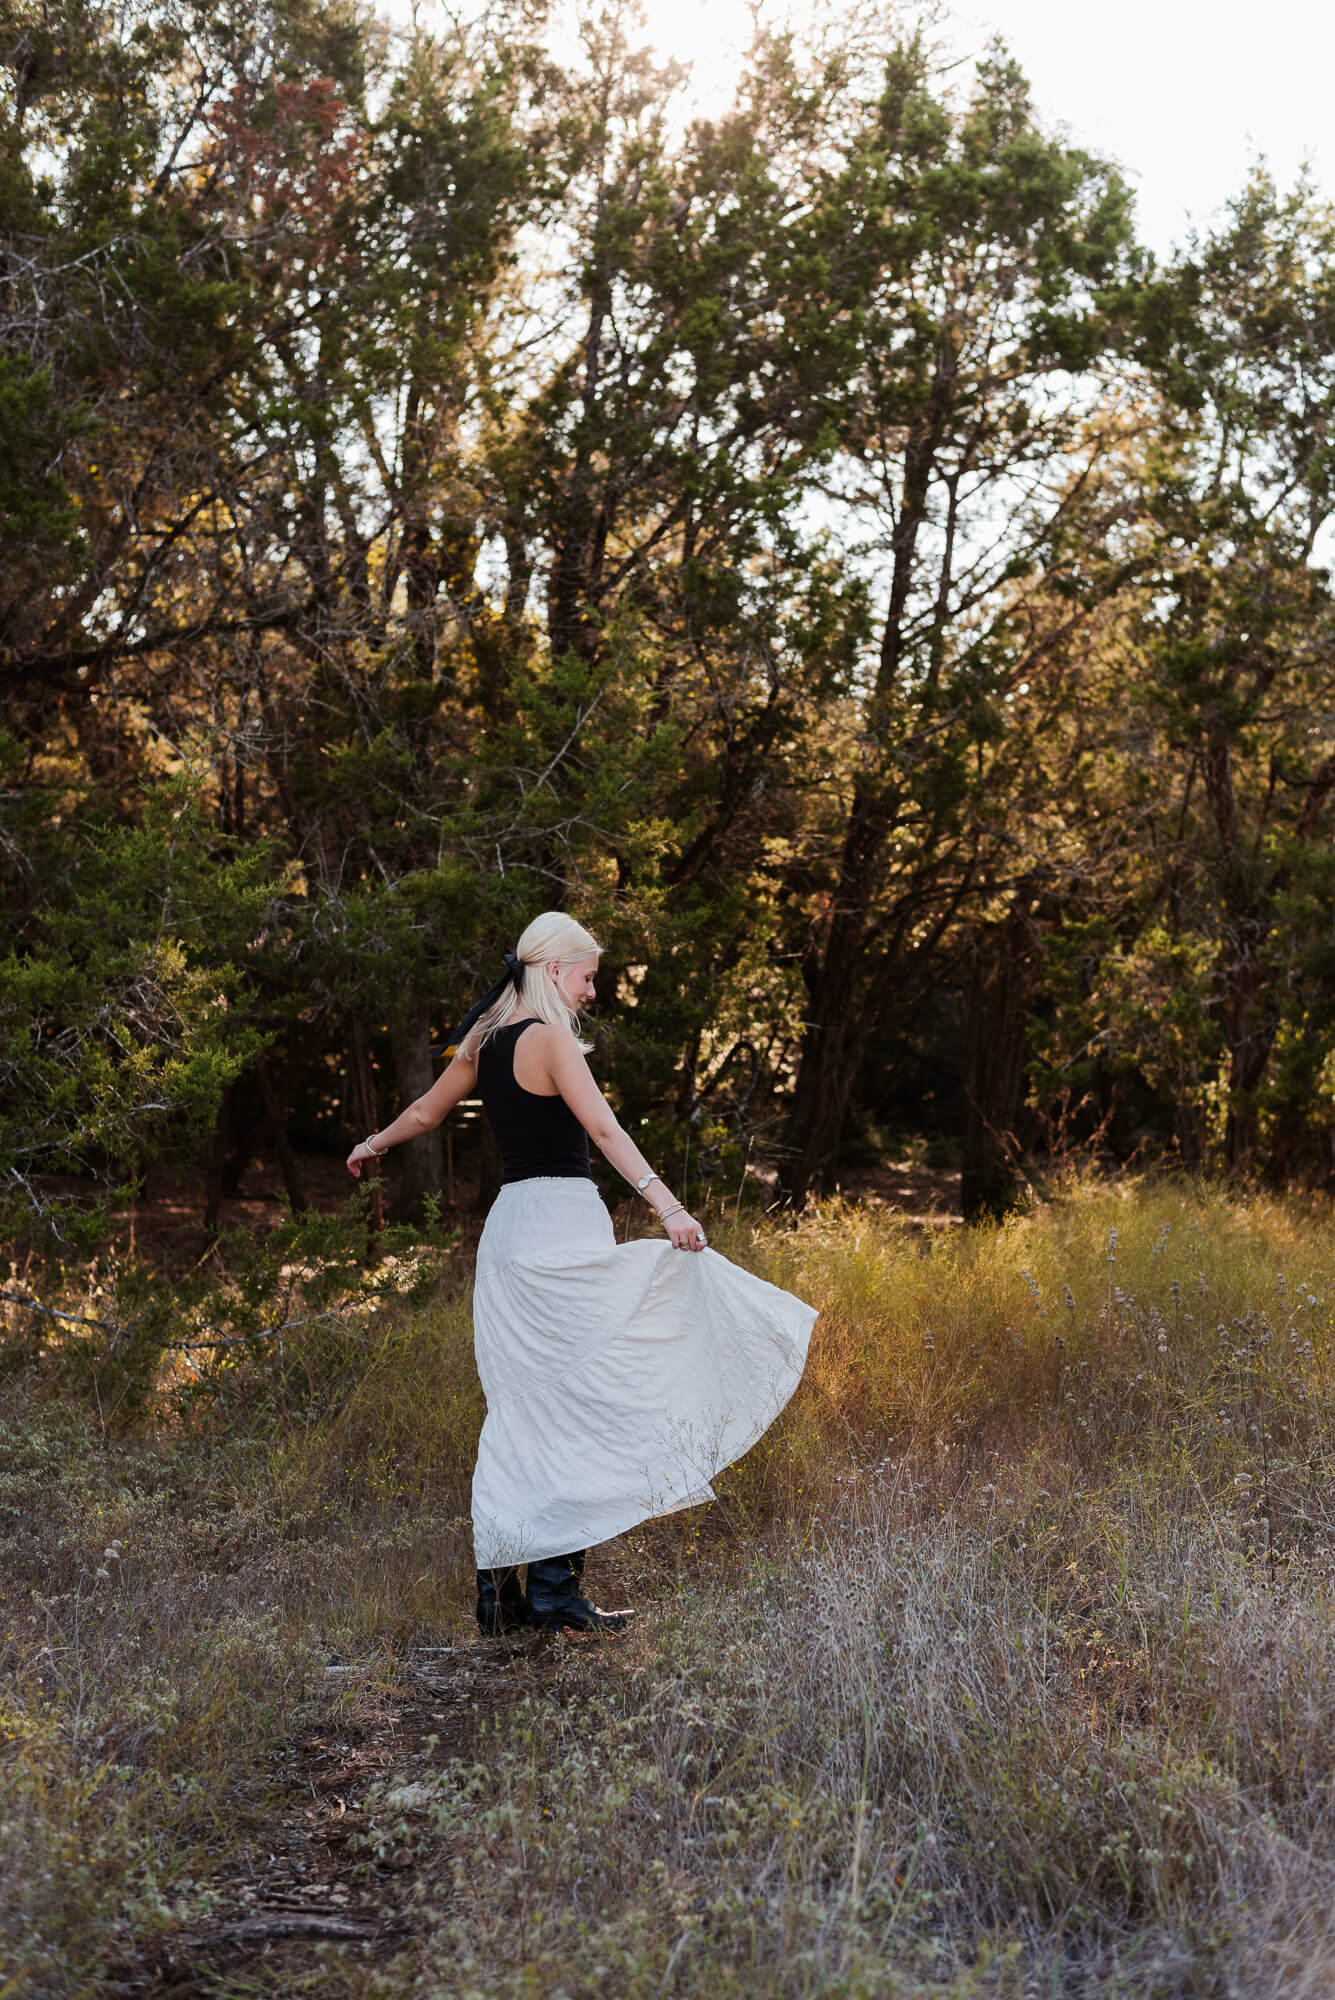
[308, 1884]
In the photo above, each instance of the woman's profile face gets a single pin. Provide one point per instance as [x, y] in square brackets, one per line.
[575, 981]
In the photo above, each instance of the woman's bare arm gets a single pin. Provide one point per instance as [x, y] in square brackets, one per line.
[454, 1082]
[564, 1061]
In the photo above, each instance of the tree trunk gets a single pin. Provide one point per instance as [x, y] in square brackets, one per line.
[835, 1034]
[1190, 1139]
[287, 1159]
[1249, 1023]
[423, 1159]
[1000, 984]
[577, 557]
[1249, 1017]
[217, 1167]
[245, 1133]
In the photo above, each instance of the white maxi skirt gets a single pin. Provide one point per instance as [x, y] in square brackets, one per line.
[619, 1377]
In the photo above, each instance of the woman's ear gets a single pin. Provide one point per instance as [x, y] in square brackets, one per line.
[554, 969]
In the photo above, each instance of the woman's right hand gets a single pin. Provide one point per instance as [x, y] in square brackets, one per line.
[685, 1232]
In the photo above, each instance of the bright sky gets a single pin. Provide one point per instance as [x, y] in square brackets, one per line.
[1183, 95]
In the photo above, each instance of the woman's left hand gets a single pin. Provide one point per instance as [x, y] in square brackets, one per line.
[360, 1152]
[685, 1232]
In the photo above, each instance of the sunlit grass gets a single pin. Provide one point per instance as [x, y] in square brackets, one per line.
[1003, 1665]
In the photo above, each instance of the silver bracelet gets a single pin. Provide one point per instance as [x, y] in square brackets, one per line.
[376, 1152]
[677, 1208]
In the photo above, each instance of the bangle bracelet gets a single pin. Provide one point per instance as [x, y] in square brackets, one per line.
[677, 1208]
[374, 1151]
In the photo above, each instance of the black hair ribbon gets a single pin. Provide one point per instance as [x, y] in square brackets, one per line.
[512, 976]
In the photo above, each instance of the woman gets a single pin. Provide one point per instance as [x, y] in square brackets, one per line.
[619, 1377]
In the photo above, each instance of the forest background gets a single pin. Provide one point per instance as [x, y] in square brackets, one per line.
[439, 480]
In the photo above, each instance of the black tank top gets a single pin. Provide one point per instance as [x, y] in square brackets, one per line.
[540, 1137]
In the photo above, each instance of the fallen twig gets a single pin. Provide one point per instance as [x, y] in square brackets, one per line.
[292, 1923]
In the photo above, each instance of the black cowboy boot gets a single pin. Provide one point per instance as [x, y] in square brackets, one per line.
[556, 1603]
[500, 1602]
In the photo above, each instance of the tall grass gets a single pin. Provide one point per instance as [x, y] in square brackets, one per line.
[1003, 1665]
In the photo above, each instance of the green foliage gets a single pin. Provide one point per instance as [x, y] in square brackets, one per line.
[36, 506]
[814, 545]
[117, 1031]
[269, 1328]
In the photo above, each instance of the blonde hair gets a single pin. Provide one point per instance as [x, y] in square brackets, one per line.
[553, 935]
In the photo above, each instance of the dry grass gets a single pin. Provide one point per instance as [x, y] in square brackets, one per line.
[1004, 1665]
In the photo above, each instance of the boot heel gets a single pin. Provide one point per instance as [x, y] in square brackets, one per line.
[557, 1604]
[501, 1605]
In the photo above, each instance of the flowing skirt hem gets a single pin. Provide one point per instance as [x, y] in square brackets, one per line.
[620, 1378]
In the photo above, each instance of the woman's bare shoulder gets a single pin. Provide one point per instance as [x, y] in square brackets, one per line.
[550, 1038]
[555, 1048]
